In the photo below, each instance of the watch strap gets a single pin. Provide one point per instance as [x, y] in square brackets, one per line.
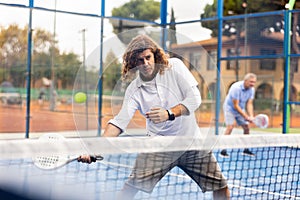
[171, 115]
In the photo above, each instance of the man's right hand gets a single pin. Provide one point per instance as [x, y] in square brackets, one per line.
[85, 159]
[250, 119]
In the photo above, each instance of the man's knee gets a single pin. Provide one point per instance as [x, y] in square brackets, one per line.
[222, 194]
[229, 129]
[127, 193]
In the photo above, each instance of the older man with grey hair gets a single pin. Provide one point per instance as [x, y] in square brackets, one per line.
[238, 106]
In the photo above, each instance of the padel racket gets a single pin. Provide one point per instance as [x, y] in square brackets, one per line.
[55, 161]
[261, 121]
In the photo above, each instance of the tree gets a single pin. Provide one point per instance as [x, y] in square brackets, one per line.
[237, 7]
[172, 27]
[146, 10]
[68, 66]
[13, 56]
[13, 48]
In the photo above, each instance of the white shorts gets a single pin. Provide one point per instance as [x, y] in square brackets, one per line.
[231, 117]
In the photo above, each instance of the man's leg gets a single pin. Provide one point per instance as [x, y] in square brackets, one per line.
[222, 194]
[247, 132]
[229, 121]
[246, 129]
[127, 193]
[228, 131]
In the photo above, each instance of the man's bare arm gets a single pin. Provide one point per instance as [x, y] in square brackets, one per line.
[239, 109]
[249, 107]
[111, 131]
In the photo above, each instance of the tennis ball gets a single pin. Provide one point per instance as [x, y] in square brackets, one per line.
[80, 97]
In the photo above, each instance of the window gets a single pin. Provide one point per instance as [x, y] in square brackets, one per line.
[294, 63]
[195, 60]
[212, 60]
[267, 64]
[231, 64]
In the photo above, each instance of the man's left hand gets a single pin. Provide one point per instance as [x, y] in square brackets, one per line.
[157, 115]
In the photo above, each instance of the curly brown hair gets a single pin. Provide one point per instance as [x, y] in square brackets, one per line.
[137, 46]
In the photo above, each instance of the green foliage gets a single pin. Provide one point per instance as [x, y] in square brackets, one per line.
[236, 7]
[69, 65]
[172, 27]
[13, 56]
[146, 10]
[138, 9]
[112, 72]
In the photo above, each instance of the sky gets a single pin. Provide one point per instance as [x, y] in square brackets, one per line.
[68, 28]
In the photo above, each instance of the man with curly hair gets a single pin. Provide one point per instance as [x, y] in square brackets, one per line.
[166, 93]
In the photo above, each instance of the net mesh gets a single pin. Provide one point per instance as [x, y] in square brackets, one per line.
[273, 173]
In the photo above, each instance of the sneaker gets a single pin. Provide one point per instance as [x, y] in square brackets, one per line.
[224, 154]
[247, 152]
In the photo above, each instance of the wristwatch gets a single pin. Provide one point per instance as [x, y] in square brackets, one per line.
[171, 115]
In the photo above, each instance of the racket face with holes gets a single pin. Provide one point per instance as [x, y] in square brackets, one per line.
[52, 162]
[261, 121]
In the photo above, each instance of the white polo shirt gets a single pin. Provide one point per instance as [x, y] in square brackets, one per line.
[175, 86]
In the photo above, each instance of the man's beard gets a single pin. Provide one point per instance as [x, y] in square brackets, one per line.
[151, 77]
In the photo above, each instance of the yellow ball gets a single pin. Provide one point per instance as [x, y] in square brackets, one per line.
[80, 97]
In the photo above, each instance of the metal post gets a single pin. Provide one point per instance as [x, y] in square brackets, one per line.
[286, 85]
[28, 78]
[100, 86]
[245, 6]
[219, 54]
[287, 51]
[163, 19]
[52, 86]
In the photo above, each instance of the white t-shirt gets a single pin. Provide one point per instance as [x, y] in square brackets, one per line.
[175, 86]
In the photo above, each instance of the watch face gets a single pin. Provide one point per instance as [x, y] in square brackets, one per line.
[171, 115]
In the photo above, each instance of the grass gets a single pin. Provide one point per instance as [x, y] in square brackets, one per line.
[276, 130]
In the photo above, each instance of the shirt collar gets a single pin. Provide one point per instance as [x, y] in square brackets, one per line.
[243, 86]
[140, 82]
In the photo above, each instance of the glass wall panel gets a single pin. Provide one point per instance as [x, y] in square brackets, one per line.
[183, 11]
[268, 88]
[88, 6]
[22, 2]
[68, 40]
[253, 36]
[66, 58]
[295, 92]
[13, 64]
[194, 31]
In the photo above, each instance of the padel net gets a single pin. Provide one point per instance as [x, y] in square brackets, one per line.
[273, 173]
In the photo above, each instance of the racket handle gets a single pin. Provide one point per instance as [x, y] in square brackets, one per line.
[95, 158]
